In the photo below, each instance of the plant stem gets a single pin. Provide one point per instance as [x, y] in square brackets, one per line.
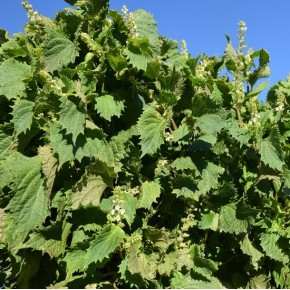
[173, 123]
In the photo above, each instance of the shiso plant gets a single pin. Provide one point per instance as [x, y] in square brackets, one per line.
[127, 163]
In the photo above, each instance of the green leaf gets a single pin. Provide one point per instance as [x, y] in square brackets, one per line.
[12, 48]
[151, 126]
[116, 60]
[71, 118]
[259, 282]
[5, 143]
[242, 135]
[130, 205]
[183, 163]
[271, 151]
[88, 191]
[48, 165]
[100, 150]
[51, 240]
[58, 50]
[185, 192]
[209, 178]
[143, 264]
[13, 75]
[180, 281]
[210, 123]
[248, 249]
[209, 221]
[260, 88]
[29, 205]
[230, 223]
[205, 267]
[107, 106]
[147, 27]
[105, 243]
[75, 261]
[150, 191]
[138, 61]
[22, 115]
[168, 265]
[3, 216]
[230, 53]
[59, 145]
[269, 243]
[181, 133]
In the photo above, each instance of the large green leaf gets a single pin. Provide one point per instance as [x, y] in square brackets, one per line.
[151, 126]
[210, 123]
[107, 106]
[29, 205]
[146, 26]
[22, 115]
[88, 191]
[271, 152]
[71, 118]
[105, 243]
[230, 223]
[269, 243]
[58, 50]
[12, 78]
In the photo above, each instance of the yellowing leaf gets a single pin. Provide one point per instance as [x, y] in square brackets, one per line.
[49, 165]
[88, 191]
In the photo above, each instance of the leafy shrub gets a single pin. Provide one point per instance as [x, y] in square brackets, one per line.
[127, 163]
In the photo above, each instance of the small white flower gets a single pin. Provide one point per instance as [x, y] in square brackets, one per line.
[118, 218]
[122, 211]
[112, 212]
[117, 207]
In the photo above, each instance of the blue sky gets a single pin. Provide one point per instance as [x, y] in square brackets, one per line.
[202, 24]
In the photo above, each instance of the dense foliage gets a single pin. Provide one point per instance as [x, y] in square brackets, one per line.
[125, 162]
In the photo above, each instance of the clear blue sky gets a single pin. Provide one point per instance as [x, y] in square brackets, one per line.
[202, 24]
